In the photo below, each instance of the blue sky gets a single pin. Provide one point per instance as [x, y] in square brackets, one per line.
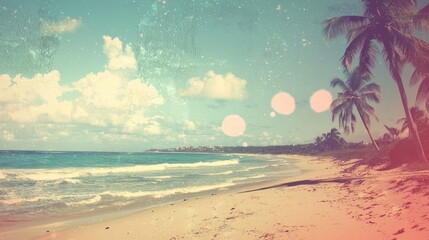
[132, 75]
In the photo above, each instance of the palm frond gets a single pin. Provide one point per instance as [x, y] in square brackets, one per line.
[357, 79]
[420, 19]
[404, 123]
[393, 131]
[369, 88]
[418, 73]
[372, 8]
[391, 57]
[420, 59]
[371, 97]
[347, 117]
[353, 122]
[368, 56]
[364, 114]
[337, 107]
[407, 45]
[340, 25]
[401, 121]
[405, 7]
[367, 109]
[423, 93]
[352, 49]
[340, 83]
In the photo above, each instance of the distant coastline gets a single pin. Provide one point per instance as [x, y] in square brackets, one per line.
[284, 149]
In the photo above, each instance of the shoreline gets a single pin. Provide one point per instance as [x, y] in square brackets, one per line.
[322, 202]
[32, 228]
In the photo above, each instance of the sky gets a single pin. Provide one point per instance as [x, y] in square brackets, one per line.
[132, 75]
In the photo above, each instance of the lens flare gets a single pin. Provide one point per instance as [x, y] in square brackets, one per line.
[283, 103]
[320, 101]
[233, 125]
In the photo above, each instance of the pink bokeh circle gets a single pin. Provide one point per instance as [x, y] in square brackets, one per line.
[233, 125]
[321, 100]
[283, 103]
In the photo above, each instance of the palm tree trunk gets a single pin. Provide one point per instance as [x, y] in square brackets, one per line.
[411, 125]
[367, 130]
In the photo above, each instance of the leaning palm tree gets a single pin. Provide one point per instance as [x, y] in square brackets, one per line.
[390, 24]
[355, 93]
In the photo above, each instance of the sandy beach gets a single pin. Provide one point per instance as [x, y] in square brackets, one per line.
[325, 202]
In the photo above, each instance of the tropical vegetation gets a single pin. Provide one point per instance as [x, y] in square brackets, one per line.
[356, 92]
[392, 135]
[331, 140]
[389, 25]
[419, 118]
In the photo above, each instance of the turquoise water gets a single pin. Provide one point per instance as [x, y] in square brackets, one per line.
[36, 185]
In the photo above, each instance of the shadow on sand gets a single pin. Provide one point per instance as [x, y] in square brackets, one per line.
[305, 182]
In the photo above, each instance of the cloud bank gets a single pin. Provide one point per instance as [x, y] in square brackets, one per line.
[110, 98]
[216, 86]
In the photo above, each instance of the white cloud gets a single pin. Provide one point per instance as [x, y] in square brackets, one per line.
[66, 25]
[216, 86]
[154, 128]
[118, 58]
[32, 99]
[110, 99]
[181, 136]
[189, 125]
[8, 136]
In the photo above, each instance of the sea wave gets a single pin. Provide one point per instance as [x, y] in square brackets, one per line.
[219, 173]
[159, 177]
[87, 201]
[68, 181]
[167, 192]
[253, 168]
[247, 178]
[72, 173]
[17, 200]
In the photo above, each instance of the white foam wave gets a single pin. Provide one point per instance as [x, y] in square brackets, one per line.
[163, 193]
[71, 173]
[88, 201]
[252, 168]
[159, 177]
[220, 173]
[18, 200]
[247, 178]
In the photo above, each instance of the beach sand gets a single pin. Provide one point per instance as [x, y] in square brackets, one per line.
[322, 203]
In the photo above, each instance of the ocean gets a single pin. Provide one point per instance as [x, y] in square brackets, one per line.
[44, 185]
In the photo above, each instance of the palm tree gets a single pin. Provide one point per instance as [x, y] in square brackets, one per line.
[419, 118]
[356, 91]
[393, 132]
[318, 140]
[391, 24]
[333, 139]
